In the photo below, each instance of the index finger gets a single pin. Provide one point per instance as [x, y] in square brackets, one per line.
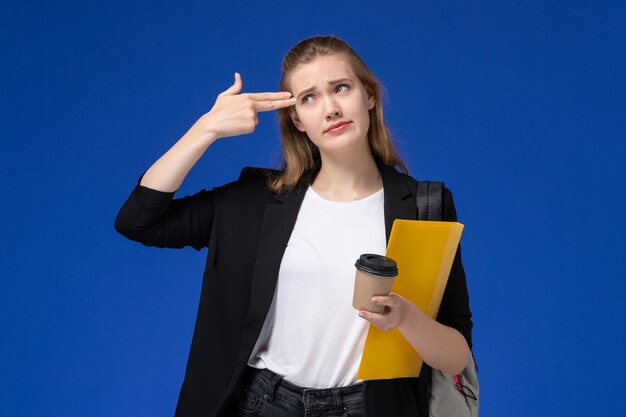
[270, 96]
[269, 105]
[389, 300]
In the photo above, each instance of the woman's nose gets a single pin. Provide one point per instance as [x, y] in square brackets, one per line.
[332, 108]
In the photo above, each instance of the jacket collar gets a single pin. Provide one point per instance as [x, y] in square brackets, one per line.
[400, 196]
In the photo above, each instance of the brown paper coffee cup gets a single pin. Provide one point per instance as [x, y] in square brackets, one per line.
[374, 276]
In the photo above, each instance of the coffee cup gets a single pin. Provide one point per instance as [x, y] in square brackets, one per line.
[374, 276]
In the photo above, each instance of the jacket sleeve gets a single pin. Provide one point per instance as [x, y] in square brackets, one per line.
[454, 310]
[155, 218]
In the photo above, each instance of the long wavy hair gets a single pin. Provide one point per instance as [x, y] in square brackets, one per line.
[298, 152]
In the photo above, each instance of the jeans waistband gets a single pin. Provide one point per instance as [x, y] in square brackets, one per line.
[275, 385]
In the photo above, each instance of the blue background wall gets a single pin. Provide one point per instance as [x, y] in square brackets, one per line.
[519, 106]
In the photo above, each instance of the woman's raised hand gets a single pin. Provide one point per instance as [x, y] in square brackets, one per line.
[235, 114]
[232, 114]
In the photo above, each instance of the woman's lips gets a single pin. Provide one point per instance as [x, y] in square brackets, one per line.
[338, 128]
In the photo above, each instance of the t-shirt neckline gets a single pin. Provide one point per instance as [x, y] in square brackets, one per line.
[366, 198]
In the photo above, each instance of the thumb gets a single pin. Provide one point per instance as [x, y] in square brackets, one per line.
[235, 88]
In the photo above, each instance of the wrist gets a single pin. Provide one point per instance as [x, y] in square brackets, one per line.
[205, 130]
[200, 134]
[412, 319]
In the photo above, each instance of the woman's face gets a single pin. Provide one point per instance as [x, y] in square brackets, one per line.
[328, 92]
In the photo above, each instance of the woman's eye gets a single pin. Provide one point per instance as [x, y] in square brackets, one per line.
[339, 86]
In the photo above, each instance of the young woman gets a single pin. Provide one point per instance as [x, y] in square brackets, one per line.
[276, 334]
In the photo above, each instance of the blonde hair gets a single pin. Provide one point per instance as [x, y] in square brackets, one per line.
[298, 152]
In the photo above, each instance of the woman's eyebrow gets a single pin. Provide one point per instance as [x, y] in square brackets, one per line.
[308, 90]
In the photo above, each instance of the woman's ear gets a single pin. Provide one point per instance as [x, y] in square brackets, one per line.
[295, 119]
[371, 98]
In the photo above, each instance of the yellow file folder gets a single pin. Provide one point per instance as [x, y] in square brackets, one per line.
[424, 252]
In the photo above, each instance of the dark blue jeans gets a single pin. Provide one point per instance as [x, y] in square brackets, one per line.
[266, 394]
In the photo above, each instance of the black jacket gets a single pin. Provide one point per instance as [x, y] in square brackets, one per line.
[246, 229]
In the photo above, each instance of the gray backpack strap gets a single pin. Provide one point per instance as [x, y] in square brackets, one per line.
[429, 200]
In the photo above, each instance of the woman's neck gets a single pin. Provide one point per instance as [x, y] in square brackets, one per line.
[347, 177]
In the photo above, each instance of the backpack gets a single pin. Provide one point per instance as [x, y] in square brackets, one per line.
[450, 395]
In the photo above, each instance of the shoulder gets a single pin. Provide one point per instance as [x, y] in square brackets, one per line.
[249, 190]
[255, 175]
[249, 177]
[252, 182]
[448, 208]
[256, 179]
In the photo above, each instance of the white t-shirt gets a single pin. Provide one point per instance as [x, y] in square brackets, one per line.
[312, 336]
